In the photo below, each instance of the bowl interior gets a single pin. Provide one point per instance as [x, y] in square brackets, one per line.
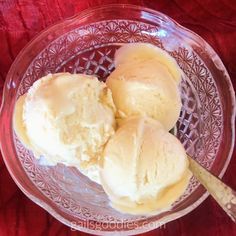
[89, 48]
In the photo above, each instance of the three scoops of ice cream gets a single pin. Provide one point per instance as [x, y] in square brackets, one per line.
[116, 133]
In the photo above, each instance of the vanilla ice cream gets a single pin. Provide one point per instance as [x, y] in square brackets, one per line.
[144, 168]
[145, 88]
[67, 118]
[141, 52]
[71, 119]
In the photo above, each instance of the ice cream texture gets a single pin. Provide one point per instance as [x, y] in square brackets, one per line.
[145, 82]
[67, 118]
[144, 168]
[72, 119]
[142, 52]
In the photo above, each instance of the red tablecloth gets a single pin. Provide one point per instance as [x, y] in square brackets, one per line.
[20, 20]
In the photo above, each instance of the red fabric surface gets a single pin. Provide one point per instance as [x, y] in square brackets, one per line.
[20, 20]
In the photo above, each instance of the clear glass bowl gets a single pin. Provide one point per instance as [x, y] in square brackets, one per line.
[86, 44]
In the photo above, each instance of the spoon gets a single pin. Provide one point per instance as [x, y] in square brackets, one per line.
[223, 194]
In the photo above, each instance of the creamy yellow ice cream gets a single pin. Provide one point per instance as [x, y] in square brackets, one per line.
[71, 119]
[67, 118]
[145, 88]
[142, 52]
[144, 168]
[145, 82]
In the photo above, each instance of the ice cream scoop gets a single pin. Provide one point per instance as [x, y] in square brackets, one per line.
[145, 88]
[67, 118]
[144, 168]
[141, 52]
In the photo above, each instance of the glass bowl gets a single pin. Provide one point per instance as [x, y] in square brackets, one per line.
[86, 44]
